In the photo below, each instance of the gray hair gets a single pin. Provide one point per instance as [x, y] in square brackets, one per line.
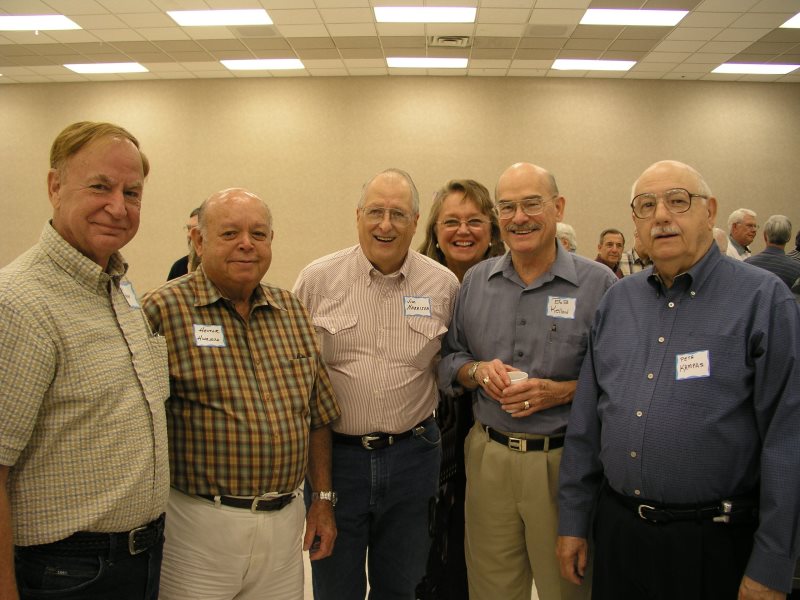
[400, 173]
[223, 195]
[738, 216]
[778, 230]
[567, 232]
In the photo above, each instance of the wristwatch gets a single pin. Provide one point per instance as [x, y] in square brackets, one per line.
[472, 370]
[329, 495]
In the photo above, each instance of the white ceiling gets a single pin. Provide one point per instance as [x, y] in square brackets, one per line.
[341, 38]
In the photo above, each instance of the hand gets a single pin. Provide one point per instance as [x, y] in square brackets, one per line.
[750, 589]
[320, 530]
[533, 395]
[572, 553]
[492, 377]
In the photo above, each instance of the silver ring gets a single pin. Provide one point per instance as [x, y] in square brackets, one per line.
[485, 380]
[527, 405]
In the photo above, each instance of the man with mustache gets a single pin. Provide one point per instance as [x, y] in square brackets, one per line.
[682, 442]
[528, 310]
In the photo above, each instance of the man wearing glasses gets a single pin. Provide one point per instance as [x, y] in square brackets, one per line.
[682, 442]
[742, 227]
[530, 311]
[380, 310]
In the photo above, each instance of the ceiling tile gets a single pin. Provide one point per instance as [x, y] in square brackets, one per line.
[709, 19]
[634, 45]
[500, 30]
[290, 31]
[347, 15]
[317, 53]
[679, 46]
[400, 29]
[493, 53]
[336, 63]
[726, 5]
[503, 15]
[741, 35]
[397, 42]
[268, 43]
[693, 33]
[162, 33]
[536, 54]
[357, 29]
[361, 53]
[553, 16]
[708, 58]
[117, 35]
[106, 21]
[363, 42]
[295, 17]
[309, 43]
[480, 63]
[765, 20]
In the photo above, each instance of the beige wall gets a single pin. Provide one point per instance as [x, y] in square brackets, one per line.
[307, 146]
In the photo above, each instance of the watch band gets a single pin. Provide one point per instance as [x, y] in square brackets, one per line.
[472, 370]
[328, 495]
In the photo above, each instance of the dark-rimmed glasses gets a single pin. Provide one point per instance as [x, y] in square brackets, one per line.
[676, 201]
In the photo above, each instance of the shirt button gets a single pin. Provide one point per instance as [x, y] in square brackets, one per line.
[639, 413]
[649, 375]
[692, 293]
[520, 353]
[633, 454]
[333, 330]
[671, 305]
[522, 322]
[661, 339]
[637, 492]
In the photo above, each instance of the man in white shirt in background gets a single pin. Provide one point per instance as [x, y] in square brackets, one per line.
[742, 228]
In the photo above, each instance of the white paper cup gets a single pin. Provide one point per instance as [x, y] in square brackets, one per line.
[517, 376]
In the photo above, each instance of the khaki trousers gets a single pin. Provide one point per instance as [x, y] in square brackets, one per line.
[511, 522]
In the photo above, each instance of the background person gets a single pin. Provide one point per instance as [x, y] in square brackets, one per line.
[610, 250]
[84, 476]
[777, 233]
[566, 236]
[182, 265]
[742, 228]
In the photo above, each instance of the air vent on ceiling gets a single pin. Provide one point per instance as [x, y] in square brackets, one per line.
[449, 41]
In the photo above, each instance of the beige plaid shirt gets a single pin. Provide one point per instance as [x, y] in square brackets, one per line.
[83, 382]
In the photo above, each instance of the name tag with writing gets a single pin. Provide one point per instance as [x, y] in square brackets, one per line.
[561, 307]
[126, 287]
[692, 365]
[417, 306]
[209, 335]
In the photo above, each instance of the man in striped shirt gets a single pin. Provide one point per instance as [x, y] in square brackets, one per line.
[381, 310]
[248, 417]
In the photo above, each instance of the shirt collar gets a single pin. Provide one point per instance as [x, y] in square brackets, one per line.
[563, 267]
[638, 259]
[693, 278]
[739, 248]
[366, 268]
[206, 293]
[81, 268]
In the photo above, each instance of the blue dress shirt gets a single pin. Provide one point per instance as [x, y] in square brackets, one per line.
[692, 395]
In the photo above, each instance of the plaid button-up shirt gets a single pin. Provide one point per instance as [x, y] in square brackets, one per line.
[243, 394]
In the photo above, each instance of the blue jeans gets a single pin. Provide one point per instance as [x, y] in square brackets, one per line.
[101, 576]
[384, 504]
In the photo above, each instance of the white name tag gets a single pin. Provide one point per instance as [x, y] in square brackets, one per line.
[417, 306]
[126, 287]
[692, 365]
[209, 335]
[561, 307]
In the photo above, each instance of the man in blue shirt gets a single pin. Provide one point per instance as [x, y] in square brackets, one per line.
[777, 232]
[530, 311]
[683, 432]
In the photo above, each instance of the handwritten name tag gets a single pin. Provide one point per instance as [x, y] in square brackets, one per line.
[417, 306]
[209, 335]
[561, 307]
[692, 365]
[126, 287]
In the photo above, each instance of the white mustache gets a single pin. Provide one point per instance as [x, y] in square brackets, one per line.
[657, 230]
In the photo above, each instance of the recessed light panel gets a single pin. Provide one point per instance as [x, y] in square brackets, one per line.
[37, 23]
[755, 69]
[263, 64]
[793, 23]
[95, 68]
[574, 64]
[425, 14]
[426, 63]
[216, 18]
[651, 18]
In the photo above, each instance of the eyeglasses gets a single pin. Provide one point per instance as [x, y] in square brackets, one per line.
[374, 215]
[752, 226]
[676, 201]
[530, 206]
[454, 224]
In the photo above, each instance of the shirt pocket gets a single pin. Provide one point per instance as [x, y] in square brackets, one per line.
[296, 381]
[337, 338]
[425, 337]
[726, 379]
[563, 355]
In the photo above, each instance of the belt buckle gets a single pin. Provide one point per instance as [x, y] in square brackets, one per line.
[518, 444]
[641, 515]
[132, 541]
[366, 440]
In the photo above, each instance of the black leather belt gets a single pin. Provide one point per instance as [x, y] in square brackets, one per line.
[377, 439]
[525, 445]
[255, 504]
[739, 509]
[113, 545]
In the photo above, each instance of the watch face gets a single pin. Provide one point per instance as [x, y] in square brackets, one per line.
[329, 496]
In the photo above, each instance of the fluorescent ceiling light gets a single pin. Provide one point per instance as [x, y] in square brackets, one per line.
[615, 16]
[425, 14]
[92, 68]
[755, 69]
[574, 64]
[37, 23]
[215, 18]
[793, 23]
[264, 64]
[427, 63]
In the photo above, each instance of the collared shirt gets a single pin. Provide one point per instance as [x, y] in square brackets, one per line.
[692, 395]
[774, 260]
[83, 387]
[613, 266]
[632, 263]
[243, 394]
[541, 328]
[380, 335]
[736, 250]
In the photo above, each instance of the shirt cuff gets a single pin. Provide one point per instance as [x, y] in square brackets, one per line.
[771, 570]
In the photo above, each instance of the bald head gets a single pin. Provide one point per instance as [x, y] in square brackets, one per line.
[522, 170]
[229, 195]
[672, 169]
